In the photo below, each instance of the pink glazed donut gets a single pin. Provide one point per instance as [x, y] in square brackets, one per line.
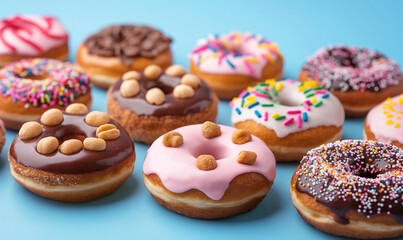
[209, 171]
[32, 36]
[384, 122]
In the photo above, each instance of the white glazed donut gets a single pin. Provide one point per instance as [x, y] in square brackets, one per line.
[290, 117]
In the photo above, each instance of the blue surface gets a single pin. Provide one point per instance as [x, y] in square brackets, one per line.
[300, 27]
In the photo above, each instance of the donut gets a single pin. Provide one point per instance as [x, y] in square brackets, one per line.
[2, 135]
[351, 188]
[384, 122]
[231, 62]
[290, 117]
[32, 36]
[360, 78]
[72, 156]
[150, 104]
[114, 50]
[29, 87]
[209, 171]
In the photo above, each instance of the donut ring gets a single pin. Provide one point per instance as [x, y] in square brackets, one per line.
[361, 78]
[351, 188]
[157, 106]
[291, 118]
[173, 172]
[384, 122]
[31, 86]
[231, 62]
[32, 36]
[72, 156]
[114, 50]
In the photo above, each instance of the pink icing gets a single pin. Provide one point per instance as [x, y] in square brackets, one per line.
[217, 54]
[386, 120]
[30, 35]
[177, 169]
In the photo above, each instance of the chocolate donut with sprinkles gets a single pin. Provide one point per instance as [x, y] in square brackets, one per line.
[351, 188]
[231, 62]
[290, 117]
[361, 78]
[29, 87]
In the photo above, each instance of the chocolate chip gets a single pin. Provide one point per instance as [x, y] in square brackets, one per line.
[131, 51]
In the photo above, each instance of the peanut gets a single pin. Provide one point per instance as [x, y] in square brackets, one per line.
[30, 130]
[175, 71]
[155, 96]
[191, 80]
[206, 162]
[52, 117]
[183, 91]
[210, 129]
[172, 139]
[241, 136]
[94, 144]
[47, 145]
[77, 108]
[152, 72]
[108, 132]
[71, 146]
[131, 75]
[129, 88]
[96, 118]
[247, 157]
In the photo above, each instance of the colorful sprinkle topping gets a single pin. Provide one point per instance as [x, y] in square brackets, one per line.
[364, 176]
[62, 82]
[353, 69]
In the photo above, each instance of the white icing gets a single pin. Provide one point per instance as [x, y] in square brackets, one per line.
[329, 113]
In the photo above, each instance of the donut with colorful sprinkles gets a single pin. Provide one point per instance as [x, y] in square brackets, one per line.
[361, 78]
[384, 122]
[29, 87]
[231, 62]
[351, 188]
[290, 117]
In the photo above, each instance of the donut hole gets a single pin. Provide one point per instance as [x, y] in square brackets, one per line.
[367, 174]
[35, 76]
[80, 137]
[217, 151]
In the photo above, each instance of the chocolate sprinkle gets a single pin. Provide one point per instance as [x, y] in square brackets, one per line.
[127, 42]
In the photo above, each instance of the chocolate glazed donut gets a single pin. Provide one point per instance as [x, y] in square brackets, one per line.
[114, 50]
[351, 188]
[156, 102]
[78, 157]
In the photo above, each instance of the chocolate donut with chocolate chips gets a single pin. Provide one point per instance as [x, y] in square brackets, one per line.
[72, 156]
[116, 49]
[156, 101]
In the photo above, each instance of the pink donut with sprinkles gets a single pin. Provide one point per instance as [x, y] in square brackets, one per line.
[231, 62]
[32, 36]
[209, 171]
[290, 117]
[29, 87]
[351, 188]
[384, 122]
[361, 78]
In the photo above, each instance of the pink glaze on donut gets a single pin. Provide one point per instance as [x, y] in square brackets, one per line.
[176, 167]
[30, 35]
[386, 120]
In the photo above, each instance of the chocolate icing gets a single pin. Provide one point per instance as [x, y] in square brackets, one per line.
[127, 42]
[171, 106]
[343, 68]
[360, 171]
[84, 161]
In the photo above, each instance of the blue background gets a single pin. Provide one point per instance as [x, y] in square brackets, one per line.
[300, 27]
